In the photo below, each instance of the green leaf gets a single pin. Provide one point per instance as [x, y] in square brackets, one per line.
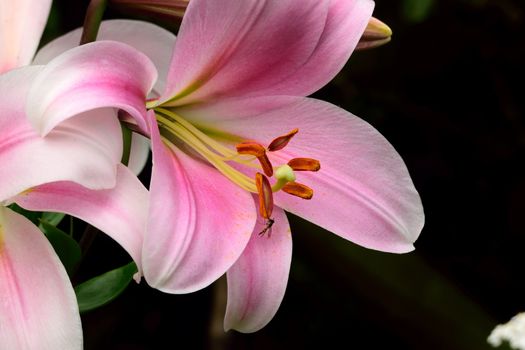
[65, 246]
[102, 289]
[417, 10]
[53, 218]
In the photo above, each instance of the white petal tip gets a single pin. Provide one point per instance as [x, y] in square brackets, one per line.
[137, 277]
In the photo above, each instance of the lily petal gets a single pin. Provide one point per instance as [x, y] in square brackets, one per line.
[95, 75]
[257, 281]
[363, 191]
[84, 149]
[199, 222]
[38, 307]
[21, 25]
[345, 24]
[233, 48]
[119, 212]
[154, 41]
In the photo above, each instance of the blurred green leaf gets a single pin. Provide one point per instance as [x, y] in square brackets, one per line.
[65, 246]
[53, 26]
[417, 10]
[52, 218]
[102, 289]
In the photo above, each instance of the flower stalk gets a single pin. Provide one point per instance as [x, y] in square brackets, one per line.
[94, 14]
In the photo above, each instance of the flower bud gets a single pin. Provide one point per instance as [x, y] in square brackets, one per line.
[376, 34]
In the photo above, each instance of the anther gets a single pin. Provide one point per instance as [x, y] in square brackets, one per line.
[299, 190]
[281, 141]
[250, 148]
[304, 164]
[266, 165]
[257, 150]
[264, 190]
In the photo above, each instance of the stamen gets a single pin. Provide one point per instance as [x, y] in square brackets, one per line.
[175, 129]
[266, 165]
[281, 141]
[250, 148]
[225, 151]
[178, 131]
[257, 150]
[265, 195]
[304, 164]
[265, 202]
[299, 190]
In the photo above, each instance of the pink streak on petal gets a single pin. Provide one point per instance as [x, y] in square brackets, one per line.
[84, 149]
[199, 222]
[21, 25]
[120, 212]
[257, 281]
[38, 308]
[232, 48]
[363, 191]
[155, 42]
[95, 75]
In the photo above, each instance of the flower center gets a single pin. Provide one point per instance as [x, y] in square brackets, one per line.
[175, 130]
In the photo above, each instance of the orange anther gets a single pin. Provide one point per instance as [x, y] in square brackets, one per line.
[304, 164]
[266, 165]
[264, 191]
[299, 190]
[281, 141]
[250, 148]
[255, 149]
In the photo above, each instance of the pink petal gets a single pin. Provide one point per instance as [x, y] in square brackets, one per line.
[363, 191]
[199, 222]
[152, 40]
[38, 308]
[345, 24]
[120, 212]
[95, 75]
[84, 149]
[249, 47]
[21, 25]
[257, 281]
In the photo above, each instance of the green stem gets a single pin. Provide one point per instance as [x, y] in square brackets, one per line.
[89, 235]
[126, 139]
[94, 14]
[87, 239]
[71, 228]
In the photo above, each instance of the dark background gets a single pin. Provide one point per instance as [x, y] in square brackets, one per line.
[447, 92]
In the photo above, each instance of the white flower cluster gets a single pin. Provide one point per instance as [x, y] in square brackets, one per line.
[512, 331]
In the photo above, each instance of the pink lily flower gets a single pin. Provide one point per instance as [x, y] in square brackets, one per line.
[235, 142]
[74, 169]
